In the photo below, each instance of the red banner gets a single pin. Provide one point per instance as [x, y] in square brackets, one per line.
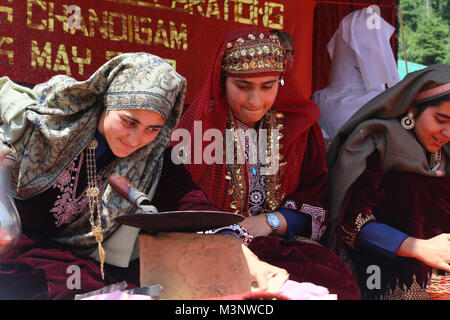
[42, 38]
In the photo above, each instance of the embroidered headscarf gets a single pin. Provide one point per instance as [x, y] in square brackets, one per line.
[52, 123]
[211, 108]
[376, 126]
[138, 87]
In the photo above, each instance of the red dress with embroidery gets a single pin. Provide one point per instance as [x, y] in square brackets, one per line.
[302, 184]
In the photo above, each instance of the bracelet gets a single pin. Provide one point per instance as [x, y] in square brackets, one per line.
[239, 231]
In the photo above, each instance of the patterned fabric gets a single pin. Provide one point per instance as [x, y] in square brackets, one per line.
[318, 215]
[68, 205]
[142, 88]
[254, 53]
[349, 234]
[402, 292]
[256, 181]
[51, 125]
[257, 187]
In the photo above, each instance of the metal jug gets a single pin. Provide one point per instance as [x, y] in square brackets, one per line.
[10, 224]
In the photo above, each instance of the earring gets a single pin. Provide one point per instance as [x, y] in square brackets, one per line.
[282, 82]
[408, 122]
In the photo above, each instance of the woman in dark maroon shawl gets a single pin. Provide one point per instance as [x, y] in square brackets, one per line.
[390, 186]
[285, 209]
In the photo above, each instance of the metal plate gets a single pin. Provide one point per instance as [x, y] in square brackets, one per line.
[180, 221]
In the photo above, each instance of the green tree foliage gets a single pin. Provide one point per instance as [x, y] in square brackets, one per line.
[445, 11]
[427, 29]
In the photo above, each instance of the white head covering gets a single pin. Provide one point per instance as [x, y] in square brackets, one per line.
[362, 65]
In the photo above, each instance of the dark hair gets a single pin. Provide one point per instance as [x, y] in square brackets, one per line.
[284, 36]
[223, 78]
[420, 107]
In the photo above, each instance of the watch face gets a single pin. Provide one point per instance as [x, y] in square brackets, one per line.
[273, 220]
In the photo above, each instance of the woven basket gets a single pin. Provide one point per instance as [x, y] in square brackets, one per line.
[438, 287]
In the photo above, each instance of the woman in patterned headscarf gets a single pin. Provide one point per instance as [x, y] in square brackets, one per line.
[243, 92]
[70, 136]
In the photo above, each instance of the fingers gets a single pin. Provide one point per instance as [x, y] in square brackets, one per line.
[444, 266]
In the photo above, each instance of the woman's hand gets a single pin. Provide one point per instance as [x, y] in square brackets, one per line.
[434, 252]
[257, 226]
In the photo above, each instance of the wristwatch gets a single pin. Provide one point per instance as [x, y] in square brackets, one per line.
[273, 221]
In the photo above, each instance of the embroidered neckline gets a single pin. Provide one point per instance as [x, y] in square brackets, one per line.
[235, 172]
[256, 181]
[68, 206]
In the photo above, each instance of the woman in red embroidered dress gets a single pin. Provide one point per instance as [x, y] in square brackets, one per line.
[285, 197]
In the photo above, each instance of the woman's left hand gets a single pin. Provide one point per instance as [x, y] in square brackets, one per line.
[257, 226]
[434, 252]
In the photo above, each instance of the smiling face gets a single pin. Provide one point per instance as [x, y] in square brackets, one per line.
[251, 98]
[433, 126]
[129, 130]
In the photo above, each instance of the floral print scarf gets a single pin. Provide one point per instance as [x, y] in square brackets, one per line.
[51, 124]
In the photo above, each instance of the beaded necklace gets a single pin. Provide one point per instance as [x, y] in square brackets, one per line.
[234, 175]
[93, 193]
